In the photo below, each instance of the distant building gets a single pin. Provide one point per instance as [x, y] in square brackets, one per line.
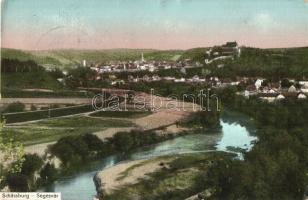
[142, 58]
[230, 49]
[180, 80]
[301, 96]
[258, 83]
[280, 97]
[226, 51]
[292, 89]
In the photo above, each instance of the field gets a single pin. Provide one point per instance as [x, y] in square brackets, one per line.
[53, 129]
[44, 114]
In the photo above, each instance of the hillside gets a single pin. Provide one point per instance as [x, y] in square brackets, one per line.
[64, 58]
[292, 62]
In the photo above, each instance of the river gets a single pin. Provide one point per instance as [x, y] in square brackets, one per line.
[236, 132]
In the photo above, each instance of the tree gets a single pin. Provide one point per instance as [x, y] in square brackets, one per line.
[81, 77]
[31, 164]
[123, 141]
[285, 83]
[10, 151]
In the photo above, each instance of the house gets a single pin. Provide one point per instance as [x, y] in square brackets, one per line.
[146, 78]
[180, 80]
[292, 89]
[280, 97]
[230, 49]
[235, 83]
[167, 67]
[304, 90]
[258, 83]
[118, 82]
[301, 96]
[61, 80]
[195, 78]
[169, 78]
[303, 83]
[246, 93]
[220, 66]
[156, 78]
[112, 77]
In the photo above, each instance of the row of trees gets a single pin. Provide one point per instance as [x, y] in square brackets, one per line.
[14, 65]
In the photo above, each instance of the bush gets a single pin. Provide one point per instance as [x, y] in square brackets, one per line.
[125, 141]
[31, 164]
[17, 182]
[74, 149]
[49, 173]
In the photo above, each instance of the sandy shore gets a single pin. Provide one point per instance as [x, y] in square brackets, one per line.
[126, 173]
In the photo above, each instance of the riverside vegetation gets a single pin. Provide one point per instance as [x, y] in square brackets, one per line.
[72, 150]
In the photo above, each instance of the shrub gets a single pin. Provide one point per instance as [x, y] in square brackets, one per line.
[124, 141]
[17, 182]
[31, 164]
[74, 149]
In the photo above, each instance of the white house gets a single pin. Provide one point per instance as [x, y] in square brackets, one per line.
[302, 96]
[180, 80]
[280, 97]
[258, 83]
[304, 90]
[246, 93]
[292, 89]
[303, 83]
[169, 78]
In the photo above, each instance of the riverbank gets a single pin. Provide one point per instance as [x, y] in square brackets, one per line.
[126, 173]
[175, 176]
[79, 185]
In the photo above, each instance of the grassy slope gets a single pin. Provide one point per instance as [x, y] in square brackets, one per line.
[30, 80]
[27, 55]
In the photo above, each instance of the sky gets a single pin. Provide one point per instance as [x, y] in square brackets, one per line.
[156, 24]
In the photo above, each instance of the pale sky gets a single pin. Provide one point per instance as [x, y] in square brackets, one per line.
[158, 24]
